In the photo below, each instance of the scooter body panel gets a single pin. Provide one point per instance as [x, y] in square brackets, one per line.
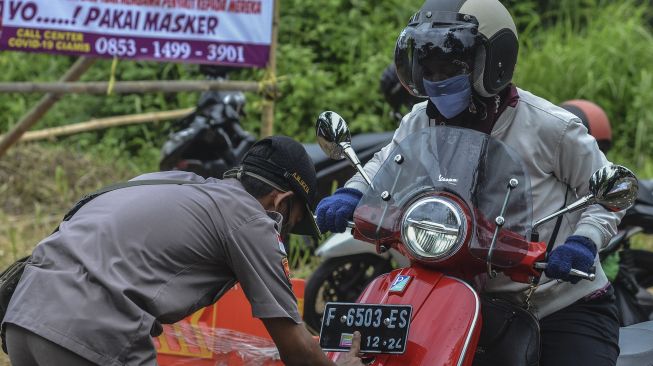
[446, 319]
[636, 345]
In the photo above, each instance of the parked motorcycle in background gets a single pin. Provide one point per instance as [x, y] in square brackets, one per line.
[210, 140]
[453, 231]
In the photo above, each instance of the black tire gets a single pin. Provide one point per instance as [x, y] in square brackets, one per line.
[340, 279]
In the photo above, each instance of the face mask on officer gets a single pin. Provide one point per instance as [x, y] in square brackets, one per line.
[289, 207]
[286, 212]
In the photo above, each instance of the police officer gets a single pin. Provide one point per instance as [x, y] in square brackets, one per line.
[97, 288]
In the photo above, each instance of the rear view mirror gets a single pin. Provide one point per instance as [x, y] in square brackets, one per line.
[614, 187]
[333, 134]
[335, 140]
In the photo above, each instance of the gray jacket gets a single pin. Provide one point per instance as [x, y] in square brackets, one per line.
[560, 157]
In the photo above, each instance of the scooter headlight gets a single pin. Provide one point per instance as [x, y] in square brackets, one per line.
[433, 228]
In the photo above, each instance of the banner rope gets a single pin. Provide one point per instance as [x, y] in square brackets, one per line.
[268, 86]
[112, 78]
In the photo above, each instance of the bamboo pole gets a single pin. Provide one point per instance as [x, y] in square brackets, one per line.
[101, 87]
[47, 101]
[267, 123]
[102, 123]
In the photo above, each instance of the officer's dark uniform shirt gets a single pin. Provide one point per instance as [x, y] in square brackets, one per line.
[142, 253]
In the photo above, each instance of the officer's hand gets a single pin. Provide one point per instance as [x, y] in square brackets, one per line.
[577, 252]
[334, 211]
[351, 358]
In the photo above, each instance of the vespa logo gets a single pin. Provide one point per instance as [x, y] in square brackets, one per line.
[447, 180]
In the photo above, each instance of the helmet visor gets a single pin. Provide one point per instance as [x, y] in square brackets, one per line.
[436, 50]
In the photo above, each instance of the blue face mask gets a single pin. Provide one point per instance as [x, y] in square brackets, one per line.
[450, 96]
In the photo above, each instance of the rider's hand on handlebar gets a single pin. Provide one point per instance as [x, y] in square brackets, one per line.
[577, 252]
[351, 358]
[334, 211]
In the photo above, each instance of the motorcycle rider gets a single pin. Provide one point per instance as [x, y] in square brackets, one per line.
[461, 55]
[96, 290]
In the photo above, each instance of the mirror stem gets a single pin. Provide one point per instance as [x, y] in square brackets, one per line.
[581, 203]
[351, 155]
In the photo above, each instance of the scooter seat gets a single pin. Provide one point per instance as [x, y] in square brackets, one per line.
[636, 344]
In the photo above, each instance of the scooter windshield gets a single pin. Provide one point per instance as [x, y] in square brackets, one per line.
[467, 164]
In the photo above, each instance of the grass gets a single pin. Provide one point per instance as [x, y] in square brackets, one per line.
[605, 59]
[38, 185]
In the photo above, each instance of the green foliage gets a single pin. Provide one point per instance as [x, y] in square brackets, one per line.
[331, 54]
[608, 62]
[330, 57]
[611, 266]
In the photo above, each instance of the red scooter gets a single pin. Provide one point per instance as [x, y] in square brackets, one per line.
[457, 203]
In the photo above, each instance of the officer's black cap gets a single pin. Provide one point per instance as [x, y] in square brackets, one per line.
[286, 163]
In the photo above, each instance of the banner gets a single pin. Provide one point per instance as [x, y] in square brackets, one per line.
[228, 32]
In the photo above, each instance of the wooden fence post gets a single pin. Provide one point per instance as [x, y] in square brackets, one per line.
[267, 123]
[102, 123]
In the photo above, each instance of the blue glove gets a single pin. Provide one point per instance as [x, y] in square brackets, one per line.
[577, 252]
[334, 211]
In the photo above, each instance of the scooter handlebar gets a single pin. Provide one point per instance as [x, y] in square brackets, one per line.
[573, 272]
[350, 224]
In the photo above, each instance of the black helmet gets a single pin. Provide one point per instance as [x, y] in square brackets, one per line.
[395, 93]
[447, 38]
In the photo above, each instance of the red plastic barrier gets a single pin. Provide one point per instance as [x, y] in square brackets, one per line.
[222, 334]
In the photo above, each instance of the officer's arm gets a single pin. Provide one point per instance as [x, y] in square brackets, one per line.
[297, 347]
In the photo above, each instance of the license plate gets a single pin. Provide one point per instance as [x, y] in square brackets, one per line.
[383, 328]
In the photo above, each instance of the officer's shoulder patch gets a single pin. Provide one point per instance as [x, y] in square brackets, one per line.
[286, 267]
[282, 246]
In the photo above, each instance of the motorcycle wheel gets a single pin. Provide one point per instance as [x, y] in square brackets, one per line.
[340, 279]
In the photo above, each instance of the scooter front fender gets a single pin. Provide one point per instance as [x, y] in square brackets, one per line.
[446, 319]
